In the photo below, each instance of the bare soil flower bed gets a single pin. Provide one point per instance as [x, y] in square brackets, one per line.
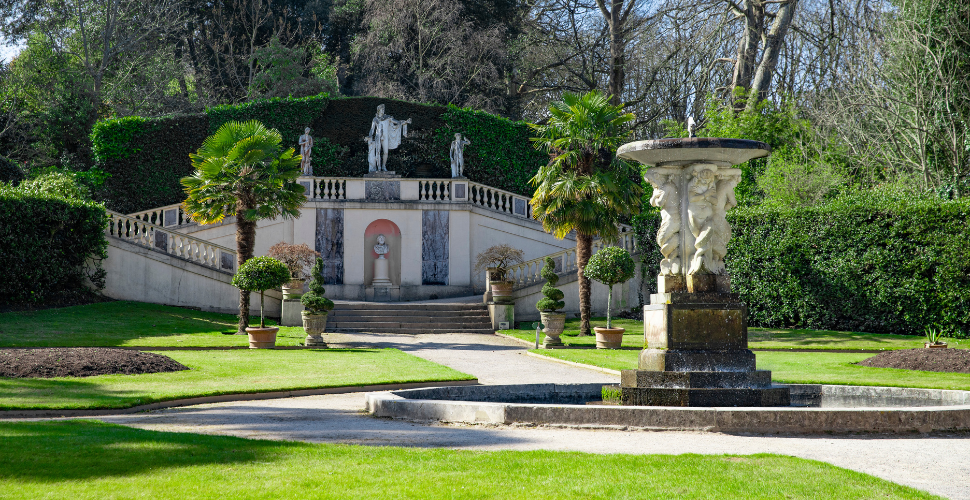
[82, 362]
[929, 360]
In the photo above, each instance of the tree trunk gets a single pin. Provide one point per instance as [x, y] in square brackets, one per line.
[245, 245]
[584, 246]
[754, 19]
[769, 60]
[617, 49]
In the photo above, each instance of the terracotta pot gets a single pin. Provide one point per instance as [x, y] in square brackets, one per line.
[262, 338]
[293, 289]
[314, 324]
[502, 291]
[555, 323]
[938, 345]
[608, 338]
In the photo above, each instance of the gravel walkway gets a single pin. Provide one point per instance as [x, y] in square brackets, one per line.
[939, 464]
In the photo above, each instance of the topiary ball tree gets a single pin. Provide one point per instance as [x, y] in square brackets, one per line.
[610, 266]
[261, 274]
[313, 300]
[553, 296]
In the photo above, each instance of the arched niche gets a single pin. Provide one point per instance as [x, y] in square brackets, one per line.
[392, 237]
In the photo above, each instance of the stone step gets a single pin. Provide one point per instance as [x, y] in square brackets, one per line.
[403, 324]
[417, 318]
[414, 331]
[406, 306]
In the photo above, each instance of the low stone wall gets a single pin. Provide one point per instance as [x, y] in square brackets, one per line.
[625, 297]
[144, 275]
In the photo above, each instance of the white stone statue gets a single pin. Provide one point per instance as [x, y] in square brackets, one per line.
[701, 202]
[306, 148]
[458, 155]
[381, 247]
[386, 132]
[721, 230]
[667, 199]
[373, 153]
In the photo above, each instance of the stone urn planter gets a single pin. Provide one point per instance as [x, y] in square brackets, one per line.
[935, 345]
[262, 338]
[315, 324]
[502, 291]
[293, 290]
[609, 338]
[555, 322]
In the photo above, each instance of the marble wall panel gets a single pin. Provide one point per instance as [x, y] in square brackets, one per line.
[330, 244]
[434, 247]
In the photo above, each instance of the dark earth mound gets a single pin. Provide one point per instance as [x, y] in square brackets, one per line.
[929, 360]
[82, 362]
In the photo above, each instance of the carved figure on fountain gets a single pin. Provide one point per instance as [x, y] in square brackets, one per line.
[666, 197]
[728, 178]
[701, 202]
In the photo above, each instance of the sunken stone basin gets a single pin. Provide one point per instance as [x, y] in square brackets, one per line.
[814, 409]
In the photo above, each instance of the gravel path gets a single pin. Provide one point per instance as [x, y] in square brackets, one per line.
[939, 464]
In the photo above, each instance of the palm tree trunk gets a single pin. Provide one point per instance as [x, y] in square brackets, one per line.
[245, 245]
[584, 246]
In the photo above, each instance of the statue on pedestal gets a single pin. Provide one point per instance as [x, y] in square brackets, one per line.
[382, 277]
[381, 247]
[458, 155]
[306, 149]
[386, 134]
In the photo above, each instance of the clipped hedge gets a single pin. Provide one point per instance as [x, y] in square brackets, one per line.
[46, 241]
[147, 156]
[864, 263]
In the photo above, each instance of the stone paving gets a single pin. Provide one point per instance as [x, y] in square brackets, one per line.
[939, 464]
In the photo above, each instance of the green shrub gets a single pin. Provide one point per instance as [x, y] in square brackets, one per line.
[260, 274]
[47, 241]
[553, 296]
[146, 157]
[872, 262]
[57, 183]
[9, 171]
[313, 300]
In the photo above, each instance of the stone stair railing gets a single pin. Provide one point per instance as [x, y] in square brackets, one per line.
[527, 273]
[168, 216]
[424, 190]
[139, 232]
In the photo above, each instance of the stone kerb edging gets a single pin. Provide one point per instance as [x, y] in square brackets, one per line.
[226, 398]
[716, 419]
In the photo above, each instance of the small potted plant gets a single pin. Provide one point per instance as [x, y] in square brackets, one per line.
[610, 266]
[297, 258]
[496, 261]
[548, 306]
[934, 336]
[261, 274]
[316, 307]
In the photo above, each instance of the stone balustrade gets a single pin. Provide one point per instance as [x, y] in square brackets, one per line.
[527, 273]
[455, 190]
[139, 232]
[168, 216]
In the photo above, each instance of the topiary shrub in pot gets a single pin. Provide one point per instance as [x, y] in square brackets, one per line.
[316, 307]
[610, 266]
[261, 274]
[548, 306]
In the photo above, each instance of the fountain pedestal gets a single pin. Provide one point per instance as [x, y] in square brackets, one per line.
[696, 330]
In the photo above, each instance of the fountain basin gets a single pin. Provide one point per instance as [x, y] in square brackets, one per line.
[688, 151]
[815, 409]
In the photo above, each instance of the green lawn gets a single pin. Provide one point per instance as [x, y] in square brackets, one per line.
[792, 367]
[80, 459]
[122, 323]
[225, 372]
[758, 338]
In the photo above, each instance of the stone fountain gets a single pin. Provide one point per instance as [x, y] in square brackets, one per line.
[695, 329]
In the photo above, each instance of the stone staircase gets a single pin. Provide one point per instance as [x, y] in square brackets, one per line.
[409, 318]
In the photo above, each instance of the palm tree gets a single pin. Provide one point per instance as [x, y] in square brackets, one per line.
[584, 187]
[241, 171]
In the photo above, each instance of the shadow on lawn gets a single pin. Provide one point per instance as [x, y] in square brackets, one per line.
[78, 450]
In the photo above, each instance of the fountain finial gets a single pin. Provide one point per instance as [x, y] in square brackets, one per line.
[690, 126]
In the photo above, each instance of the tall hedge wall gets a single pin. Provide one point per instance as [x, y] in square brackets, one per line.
[46, 241]
[146, 157]
[864, 263]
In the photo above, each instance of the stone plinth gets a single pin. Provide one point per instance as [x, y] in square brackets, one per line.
[292, 313]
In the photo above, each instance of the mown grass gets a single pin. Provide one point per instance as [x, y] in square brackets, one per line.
[758, 338]
[792, 367]
[225, 372]
[82, 459]
[111, 324]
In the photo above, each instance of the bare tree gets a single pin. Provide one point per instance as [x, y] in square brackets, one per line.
[427, 50]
